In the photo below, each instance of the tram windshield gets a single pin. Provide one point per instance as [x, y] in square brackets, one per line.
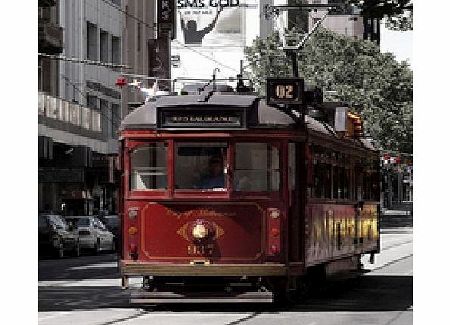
[257, 167]
[149, 167]
[201, 166]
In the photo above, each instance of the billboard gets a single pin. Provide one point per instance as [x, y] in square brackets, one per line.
[210, 23]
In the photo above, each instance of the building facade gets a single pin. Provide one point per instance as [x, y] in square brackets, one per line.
[139, 35]
[79, 106]
[345, 21]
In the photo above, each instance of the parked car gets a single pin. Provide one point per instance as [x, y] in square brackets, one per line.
[92, 233]
[112, 222]
[55, 236]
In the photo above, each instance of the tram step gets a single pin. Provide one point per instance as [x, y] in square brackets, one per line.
[143, 297]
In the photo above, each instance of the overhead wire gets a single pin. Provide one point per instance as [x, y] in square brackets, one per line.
[99, 110]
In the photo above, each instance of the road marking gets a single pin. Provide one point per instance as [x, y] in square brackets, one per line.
[59, 314]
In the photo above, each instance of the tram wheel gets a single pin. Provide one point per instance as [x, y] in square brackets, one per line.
[283, 295]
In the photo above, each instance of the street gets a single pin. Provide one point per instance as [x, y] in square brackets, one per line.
[86, 290]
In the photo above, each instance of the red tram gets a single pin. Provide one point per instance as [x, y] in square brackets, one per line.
[225, 198]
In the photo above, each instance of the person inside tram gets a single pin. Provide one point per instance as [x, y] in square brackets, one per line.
[215, 177]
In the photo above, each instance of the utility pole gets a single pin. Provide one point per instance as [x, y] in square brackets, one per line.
[280, 91]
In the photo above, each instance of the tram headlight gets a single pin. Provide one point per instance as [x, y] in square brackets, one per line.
[199, 231]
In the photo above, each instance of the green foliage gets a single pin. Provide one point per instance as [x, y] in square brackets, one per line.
[375, 84]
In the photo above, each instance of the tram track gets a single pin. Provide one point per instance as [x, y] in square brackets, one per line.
[128, 318]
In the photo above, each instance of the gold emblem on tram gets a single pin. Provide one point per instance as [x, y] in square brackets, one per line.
[199, 230]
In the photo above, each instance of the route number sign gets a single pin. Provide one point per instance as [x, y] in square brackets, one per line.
[285, 91]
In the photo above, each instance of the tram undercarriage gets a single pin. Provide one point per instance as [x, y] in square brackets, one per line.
[239, 289]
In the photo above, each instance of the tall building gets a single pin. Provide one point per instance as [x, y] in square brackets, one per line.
[345, 21]
[139, 35]
[79, 105]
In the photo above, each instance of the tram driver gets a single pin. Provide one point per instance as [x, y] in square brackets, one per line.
[215, 177]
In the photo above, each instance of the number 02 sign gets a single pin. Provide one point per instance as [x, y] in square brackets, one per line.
[285, 91]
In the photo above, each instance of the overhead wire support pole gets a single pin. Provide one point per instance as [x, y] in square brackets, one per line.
[292, 49]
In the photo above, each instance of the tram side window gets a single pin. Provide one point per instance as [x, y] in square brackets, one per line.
[322, 180]
[149, 167]
[371, 183]
[341, 178]
[257, 167]
[201, 166]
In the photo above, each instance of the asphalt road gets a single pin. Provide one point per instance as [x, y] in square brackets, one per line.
[86, 290]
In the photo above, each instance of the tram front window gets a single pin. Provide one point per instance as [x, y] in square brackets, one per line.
[149, 167]
[200, 166]
[257, 168]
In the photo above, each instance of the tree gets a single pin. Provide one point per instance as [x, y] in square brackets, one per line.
[373, 83]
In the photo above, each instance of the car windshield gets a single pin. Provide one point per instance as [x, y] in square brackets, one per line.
[58, 222]
[111, 222]
[83, 222]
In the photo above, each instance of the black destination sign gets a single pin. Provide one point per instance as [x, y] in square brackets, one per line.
[201, 119]
[285, 91]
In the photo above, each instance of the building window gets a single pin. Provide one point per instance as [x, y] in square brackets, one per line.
[104, 107]
[115, 49]
[139, 36]
[315, 20]
[104, 54]
[40, 83]
[92, 41]
[115, 119]
[92, 101]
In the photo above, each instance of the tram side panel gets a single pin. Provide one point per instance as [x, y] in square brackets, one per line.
[335, 231]
[368, 232]
[329, 232]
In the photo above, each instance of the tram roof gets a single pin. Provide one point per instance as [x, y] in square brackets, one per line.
[145, 116]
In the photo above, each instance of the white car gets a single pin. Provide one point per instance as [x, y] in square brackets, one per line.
[92, 233]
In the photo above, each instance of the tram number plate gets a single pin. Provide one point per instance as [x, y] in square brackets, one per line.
[285, 90]
[200, 249]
